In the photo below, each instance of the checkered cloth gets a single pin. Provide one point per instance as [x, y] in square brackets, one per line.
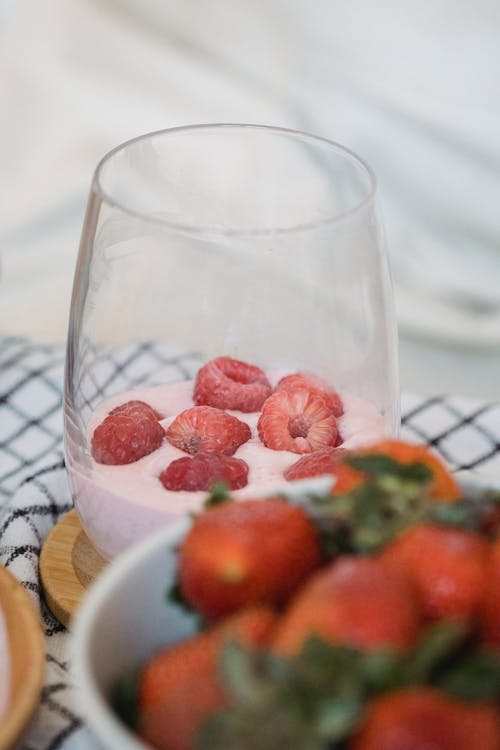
[34, 491]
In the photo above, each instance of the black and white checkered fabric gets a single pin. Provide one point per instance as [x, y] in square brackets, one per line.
[34, 491]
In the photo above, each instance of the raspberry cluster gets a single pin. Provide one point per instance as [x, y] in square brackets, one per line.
[299, 416]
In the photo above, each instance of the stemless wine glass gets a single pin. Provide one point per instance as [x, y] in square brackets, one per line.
[256, 243]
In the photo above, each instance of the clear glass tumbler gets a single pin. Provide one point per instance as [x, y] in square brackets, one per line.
[248, 242]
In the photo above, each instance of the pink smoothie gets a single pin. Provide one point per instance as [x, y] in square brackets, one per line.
[121, 504]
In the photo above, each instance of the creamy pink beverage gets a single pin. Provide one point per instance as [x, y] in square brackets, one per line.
[119, 505]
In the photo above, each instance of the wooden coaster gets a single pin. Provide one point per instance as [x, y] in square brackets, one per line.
[26, 658]
[68, 565]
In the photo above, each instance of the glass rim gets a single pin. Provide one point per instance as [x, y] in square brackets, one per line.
[196, 229]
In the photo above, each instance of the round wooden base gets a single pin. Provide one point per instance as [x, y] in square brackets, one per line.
[68, 565]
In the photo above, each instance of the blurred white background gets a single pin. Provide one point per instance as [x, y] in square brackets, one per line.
[414, 88]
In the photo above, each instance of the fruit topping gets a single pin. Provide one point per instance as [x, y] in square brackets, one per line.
[240, 553]
[316, 384]
[320, 462]
[228, 383]
[297, 420]
[204, 429]
[203, 471]
[128, 433]
[132, 406]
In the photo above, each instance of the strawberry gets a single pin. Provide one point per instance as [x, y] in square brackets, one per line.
[202, 471]
[443, 487]
[180, 685]
[205, 429]
[323, 461]
[173, 664]
[448, 567]
[355, 601]
[316, 384]
[426, 719]
[491, 606]
[243, 552]
[297, 420]
[175, 724]
[129, 432]
[228, 383]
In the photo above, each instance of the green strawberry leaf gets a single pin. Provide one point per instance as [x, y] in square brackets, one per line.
[246, 677]
[368, 517]
[124, 697]
[272, 728]
[475, 677]
[174, 595]
[379, 465]
[218, 494]
[336, 717]
[463, 514]
[438, 644]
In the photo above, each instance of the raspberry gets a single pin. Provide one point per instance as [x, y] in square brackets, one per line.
[202, 471]
[298, 420]
[128, 433]
[316, 384]
[204, 429]
[230, 384]
[324, 461]
[132, 407]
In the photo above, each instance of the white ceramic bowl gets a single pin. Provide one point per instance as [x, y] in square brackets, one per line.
[126, 616]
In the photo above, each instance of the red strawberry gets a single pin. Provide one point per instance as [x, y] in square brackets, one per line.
[243, 552]
[169, 666]
[128, 433]
[297, 420]
[491, 607]
[443, 487]
[175, 724]
[425, 719]
[447, 566]
[231, 384]
[356, 601]
[316, 384]
[324, 461]
[204, 429]
[180, 687]
[201, 472]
